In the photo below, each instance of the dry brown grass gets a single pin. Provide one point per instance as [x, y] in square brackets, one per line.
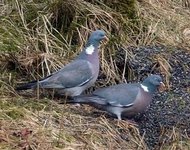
[175, 140]
[42, 42]
[44, 124]
[167, 21]
[37, 38]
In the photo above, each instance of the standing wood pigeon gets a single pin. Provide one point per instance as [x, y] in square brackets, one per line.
[123, 99]
[75, 77]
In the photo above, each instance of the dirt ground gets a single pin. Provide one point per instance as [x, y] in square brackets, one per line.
[168, 118]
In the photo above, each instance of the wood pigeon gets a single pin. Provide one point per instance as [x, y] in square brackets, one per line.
[75, 77]
[122, 99]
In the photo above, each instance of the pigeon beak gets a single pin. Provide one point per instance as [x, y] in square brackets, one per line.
[105, 38]
[161, 87]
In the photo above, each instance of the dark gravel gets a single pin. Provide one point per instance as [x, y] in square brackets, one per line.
[170, 108]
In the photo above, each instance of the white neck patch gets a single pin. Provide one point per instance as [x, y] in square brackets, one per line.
[90, 49]
[145, 88]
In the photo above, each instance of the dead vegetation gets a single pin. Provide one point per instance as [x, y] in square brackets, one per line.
[31, 124]
[38, 37]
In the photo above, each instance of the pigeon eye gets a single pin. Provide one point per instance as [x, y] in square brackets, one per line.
[158, 80]
[101, 34]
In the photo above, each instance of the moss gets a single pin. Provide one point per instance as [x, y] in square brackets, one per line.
[34, 105]
[15, 113]
[8, 46]
[10, 37]
[31, 104]
[10, 109]
[31, 12]
[5, 104]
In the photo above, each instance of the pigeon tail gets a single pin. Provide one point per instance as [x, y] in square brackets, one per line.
[27, 86]
[88, 100]
[30, 85]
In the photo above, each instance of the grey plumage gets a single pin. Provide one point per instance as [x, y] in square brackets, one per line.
[123, 99]
[76, 76]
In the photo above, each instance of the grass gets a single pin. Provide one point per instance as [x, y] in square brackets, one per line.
[175, 140]
[23, 126]
[167, 22]
[39, 37]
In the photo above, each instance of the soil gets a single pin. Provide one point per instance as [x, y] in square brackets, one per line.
[170, 109]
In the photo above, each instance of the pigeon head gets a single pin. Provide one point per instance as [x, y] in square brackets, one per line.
[151, 83]
[96, 37]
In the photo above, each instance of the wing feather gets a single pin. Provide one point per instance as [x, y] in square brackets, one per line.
[74, 74]
[121, 95]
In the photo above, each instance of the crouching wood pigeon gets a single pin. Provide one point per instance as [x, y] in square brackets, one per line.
[75, 77]
[122, 99]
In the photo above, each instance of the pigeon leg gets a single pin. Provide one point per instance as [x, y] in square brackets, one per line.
[119, 116]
